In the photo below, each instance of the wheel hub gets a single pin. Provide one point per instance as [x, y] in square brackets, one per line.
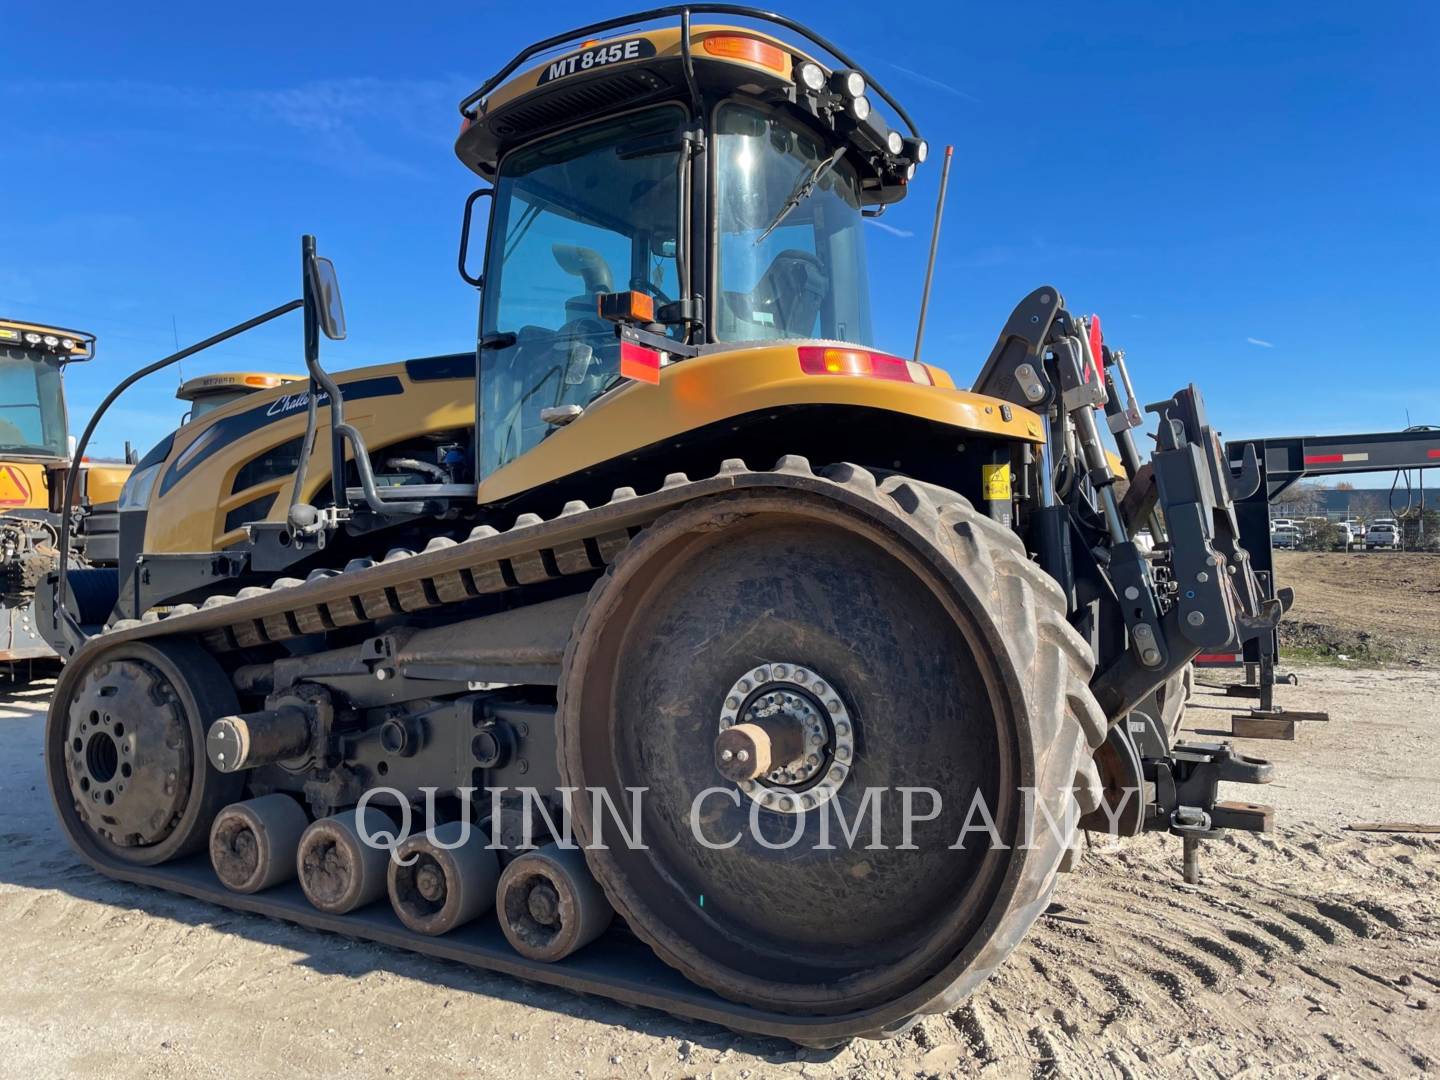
[785, 737]
[430, 881]
[128, 759]
[544, 904]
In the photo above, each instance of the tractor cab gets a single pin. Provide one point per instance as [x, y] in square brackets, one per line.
[206, 393]
[32, 393]
[704, 186]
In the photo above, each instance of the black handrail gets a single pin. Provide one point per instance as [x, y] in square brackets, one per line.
[685, 11]
[80, 447]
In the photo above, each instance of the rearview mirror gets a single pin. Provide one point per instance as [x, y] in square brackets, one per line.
[325, 291]
[466, 224]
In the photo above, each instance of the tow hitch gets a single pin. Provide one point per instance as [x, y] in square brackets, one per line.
[1187, 803]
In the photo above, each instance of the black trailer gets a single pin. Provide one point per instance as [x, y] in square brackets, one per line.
[1283, 462]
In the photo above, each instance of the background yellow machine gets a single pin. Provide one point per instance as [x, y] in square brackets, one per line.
[35, 455]
[674, 527]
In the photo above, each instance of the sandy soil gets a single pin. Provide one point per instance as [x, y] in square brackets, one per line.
[1359, 601]
[1311, 952]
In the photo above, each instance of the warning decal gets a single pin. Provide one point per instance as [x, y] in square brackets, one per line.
[996, 481]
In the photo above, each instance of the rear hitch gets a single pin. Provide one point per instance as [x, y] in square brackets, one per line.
[1186, 796]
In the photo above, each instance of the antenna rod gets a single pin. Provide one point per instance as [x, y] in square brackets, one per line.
[934, 247]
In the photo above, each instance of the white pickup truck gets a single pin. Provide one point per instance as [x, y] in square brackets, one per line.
[1383, 536]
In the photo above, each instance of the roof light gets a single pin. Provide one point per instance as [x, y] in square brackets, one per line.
[847, 82]
[752, 50]
[917, 150]
[262, 381]
[811, 76]
[32, 339]
[910, 171]
[52, 340]
[894, 142]
[67, 343]
[820, 360]
[858, 108]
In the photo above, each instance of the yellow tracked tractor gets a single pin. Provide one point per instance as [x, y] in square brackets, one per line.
[814, 656]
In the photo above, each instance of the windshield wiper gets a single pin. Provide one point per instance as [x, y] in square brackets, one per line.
[802, 192]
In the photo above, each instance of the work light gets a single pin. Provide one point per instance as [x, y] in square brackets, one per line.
[849, 83]
[811, 76]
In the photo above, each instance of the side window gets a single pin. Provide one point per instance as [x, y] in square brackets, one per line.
[555, 266]
[589, 211]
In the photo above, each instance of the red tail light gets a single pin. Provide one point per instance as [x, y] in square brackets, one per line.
[824, 360]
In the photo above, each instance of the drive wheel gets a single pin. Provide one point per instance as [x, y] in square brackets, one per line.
[759, 663]
[125, 751]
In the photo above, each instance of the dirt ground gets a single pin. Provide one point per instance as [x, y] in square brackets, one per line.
[1311, 952]
[1366, 605]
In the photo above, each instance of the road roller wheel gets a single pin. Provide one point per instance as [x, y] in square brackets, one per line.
[125, 751]
[856, 636]
[446, 883]
[337, 869]
[549, 905]
[253, 843]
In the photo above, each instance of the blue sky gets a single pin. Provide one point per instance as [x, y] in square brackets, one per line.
[1248, 193]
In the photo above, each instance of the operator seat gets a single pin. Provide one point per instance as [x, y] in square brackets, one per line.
[784, 303]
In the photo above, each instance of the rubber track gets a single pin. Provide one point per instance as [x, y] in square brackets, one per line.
[1055, 662]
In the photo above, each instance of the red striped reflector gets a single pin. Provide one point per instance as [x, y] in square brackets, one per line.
[1217, 658]
[1332, 459]
[639, 363]
[1433, 453]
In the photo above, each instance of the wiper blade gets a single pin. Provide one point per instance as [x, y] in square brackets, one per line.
[802, 192]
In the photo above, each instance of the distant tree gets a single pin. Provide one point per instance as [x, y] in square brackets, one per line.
[1370, 505]
[1324, 537]
[1344, 485]
[1301, 500]
[1410, 533]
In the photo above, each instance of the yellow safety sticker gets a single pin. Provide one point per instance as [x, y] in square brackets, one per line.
[996, 481]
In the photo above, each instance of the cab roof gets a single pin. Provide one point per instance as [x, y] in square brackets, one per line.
[64, 344]
[229, 381]
[615, 66]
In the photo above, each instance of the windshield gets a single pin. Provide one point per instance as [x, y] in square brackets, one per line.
[584, 213]
[805, 277]
[32, 407]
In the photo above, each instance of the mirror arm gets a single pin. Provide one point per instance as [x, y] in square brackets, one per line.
[61, 611]
[340, 431]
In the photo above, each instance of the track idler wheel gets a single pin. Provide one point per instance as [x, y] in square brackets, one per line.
[338, 870]
[549, 905]
[446, 883]
[842, 652]
[125, 750]
[253, 843]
